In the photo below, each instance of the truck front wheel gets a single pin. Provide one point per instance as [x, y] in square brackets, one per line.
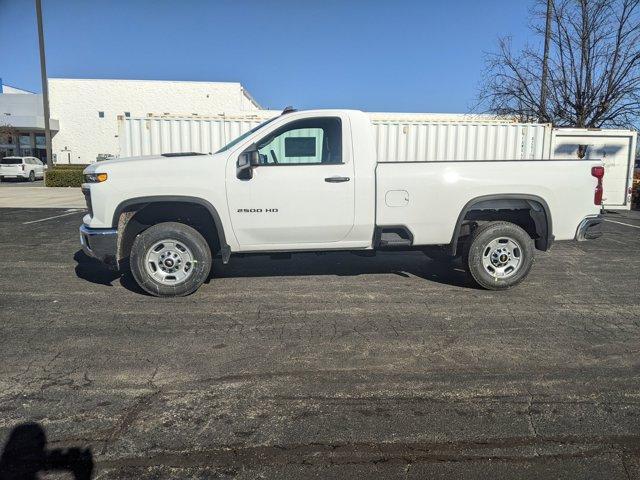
[170, 260]
[498, 255]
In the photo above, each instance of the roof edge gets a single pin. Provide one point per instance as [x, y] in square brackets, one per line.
[140, 80]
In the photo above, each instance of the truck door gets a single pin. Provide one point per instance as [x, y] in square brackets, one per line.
[302, 191]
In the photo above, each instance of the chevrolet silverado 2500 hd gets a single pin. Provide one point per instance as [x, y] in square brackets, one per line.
[310, 181]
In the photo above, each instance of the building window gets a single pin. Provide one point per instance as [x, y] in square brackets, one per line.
[127, 114]
[25, 141]
[101, 114]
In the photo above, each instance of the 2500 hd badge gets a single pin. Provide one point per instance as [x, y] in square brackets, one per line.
[257, 210]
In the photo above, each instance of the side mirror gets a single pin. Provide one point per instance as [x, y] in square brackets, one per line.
[246, 162]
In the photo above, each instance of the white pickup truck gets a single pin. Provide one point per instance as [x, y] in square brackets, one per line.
[310, 181]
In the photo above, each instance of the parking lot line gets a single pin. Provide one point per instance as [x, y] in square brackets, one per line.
[69, 212]
[621, 223]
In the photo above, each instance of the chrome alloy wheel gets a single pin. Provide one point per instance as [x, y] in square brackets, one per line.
[502, 257]
[169, 262]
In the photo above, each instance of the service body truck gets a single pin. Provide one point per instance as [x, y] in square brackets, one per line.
[311, 181]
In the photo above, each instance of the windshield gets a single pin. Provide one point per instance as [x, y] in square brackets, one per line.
[245, 135]
[10, 161]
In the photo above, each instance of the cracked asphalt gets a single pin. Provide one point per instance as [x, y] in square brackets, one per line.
[326, 366]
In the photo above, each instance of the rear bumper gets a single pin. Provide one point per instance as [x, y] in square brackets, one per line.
[589, 228]
[14, 175]
[101, 244]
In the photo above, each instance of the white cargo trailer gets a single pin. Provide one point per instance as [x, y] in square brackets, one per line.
[411, 138]
[616, 149]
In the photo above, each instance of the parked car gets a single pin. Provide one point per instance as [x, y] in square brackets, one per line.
[310, 181]
[24, 168]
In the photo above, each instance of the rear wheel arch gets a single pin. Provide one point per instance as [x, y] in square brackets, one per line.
[505, 207]
[134, 215]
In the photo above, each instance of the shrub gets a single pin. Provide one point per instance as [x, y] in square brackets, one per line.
[71, 166]
[63, 177]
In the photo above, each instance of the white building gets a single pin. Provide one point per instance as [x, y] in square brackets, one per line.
[22, 123]
[88, 109]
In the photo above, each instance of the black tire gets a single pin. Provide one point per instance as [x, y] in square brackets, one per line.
[32, 176]
[478, 245]
[182, 233]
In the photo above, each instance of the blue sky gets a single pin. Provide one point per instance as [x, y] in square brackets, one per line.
[424, 56]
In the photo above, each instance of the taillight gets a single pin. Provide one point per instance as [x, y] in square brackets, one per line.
[22, 167]
[598, 172]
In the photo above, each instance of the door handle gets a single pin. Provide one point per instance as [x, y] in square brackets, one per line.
[336, 179]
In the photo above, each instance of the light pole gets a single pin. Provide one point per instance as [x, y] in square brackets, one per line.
[545, 64]
[45, 84]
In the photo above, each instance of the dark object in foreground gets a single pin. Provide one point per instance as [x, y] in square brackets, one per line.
[25, 455]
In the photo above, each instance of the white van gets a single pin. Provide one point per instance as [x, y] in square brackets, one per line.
[24, 168]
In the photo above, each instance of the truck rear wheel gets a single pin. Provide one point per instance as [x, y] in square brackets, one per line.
[170, 259]
[499, 255]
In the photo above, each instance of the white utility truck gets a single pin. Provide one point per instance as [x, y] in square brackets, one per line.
[311, 181]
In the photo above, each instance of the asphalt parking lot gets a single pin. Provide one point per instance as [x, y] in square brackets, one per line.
[326, 366]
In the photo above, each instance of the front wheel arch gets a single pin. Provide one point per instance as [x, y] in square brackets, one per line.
[173, 208]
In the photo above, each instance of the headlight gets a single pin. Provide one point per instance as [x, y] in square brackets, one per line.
[95, 177]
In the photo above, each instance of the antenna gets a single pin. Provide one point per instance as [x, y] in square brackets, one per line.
[288, 109]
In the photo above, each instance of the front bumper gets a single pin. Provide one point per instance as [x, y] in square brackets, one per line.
[101, 244]
[589, 228]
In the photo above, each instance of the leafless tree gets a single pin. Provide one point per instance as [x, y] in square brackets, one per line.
[8, 133]
[594, 67]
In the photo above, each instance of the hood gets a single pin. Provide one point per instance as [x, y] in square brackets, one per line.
[105, 165]
[149, 162]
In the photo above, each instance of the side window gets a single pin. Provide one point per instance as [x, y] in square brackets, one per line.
[303, 142]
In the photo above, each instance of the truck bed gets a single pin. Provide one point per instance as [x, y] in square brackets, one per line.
[428, 197]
